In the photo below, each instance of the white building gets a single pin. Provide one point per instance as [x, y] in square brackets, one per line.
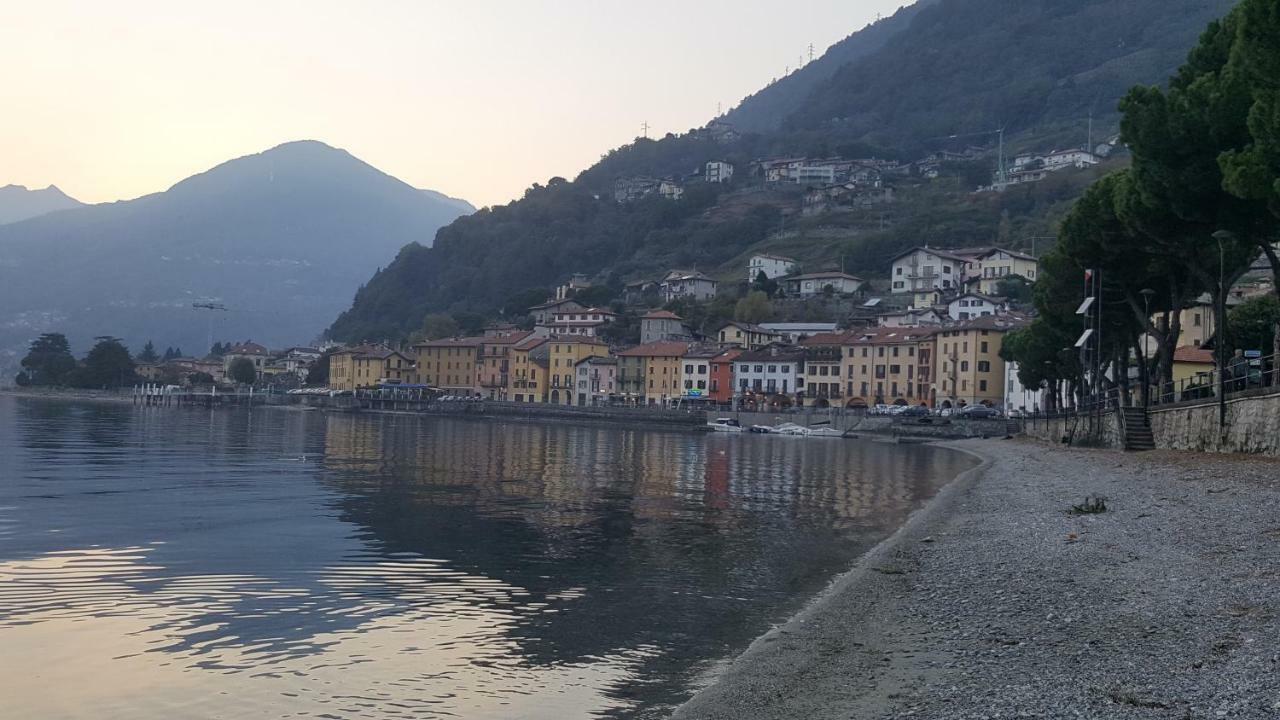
[795, 332]
[695, 372]
[769, 371]
[814, 175]
[922, 271]
[773, 266]
[1018, 397]
[817, 283]
[1062, 159]
[718, 171]
[670, 190]
[580, 321]
[596, 378]
[914, 317]
[974, 305]
[687, 284]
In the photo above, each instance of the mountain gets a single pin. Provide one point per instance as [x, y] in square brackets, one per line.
[282, 238]
[898, 89]
[19, 203]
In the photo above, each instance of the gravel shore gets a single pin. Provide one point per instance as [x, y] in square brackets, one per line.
[997, 601]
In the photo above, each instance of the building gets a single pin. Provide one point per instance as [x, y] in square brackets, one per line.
[658, 325]
[889, 366]
[795, 332]
[746, 335]
[687, 284]
[924, 271]
[773, 266]
[972, 305]
[814, 175]
[776, 370]
[914, 317]
[367, 366]
[565, 352]
[630, 189]
[1019, 397]
[985, 270]
[451, 364]
[543, 315]
[251, 351]
[527, 377]
[718, 171]
[670, 190]
[720, 390]
[1192, 363]
[1063, 159]
[573, 319]
[695, 372]
[818, 283]
[577, 281]
[823, 366]
[650, 374]
[596, 380]
[970, 370]
[493, 367]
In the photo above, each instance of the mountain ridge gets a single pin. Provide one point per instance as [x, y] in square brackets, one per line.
[18, 202]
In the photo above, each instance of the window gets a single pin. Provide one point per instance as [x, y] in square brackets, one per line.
[702, 369]
[982, 385]
[744, 368]
[964, 366]
[880, 352]
[984, 366]
[864, 352]
[688, 369]
[894, 370]
[823, 370]
[946, 269]
[911, 351]
[895, 351]
[897, 270]
[759, 368]
[786, 368]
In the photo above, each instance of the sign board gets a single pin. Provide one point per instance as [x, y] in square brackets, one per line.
[1253, 354]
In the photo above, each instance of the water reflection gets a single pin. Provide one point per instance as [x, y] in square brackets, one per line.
[292, 563]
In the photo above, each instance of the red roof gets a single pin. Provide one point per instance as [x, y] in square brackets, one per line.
[661, 315]
[657, 349]
[1193, 354]
[454, 342]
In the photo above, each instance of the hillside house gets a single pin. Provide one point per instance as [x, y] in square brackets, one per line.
[773, 266]
[820, 283]
[985, 270]
[772, 370]
[687, 284]
[658, 325]
[718, 171]
[746, 335]
[974, 305]
[923, 271]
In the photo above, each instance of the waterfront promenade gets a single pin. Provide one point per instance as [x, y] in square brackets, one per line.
[996, 601]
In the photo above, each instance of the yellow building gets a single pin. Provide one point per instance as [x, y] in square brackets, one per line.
[823, 368]
[451, 365]
[660, 364]
[493, 371]
[969, 368]
[565, 352]
[527, 378]
[746, 335]
[366, 366]
[889, 366]
[1189, 363]
[985, 270]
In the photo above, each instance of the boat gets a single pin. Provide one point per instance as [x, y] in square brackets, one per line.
[825, 432]
[725, 425]
[761, 429]
[790, 429]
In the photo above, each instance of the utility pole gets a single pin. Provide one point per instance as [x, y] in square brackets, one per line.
[1089, 142]
[644, 128]
[810, 52]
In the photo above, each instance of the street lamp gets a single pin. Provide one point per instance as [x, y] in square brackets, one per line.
[1220, 345]
[1146, 294]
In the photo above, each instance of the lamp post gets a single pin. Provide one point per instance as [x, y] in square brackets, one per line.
[1147, 294]
[1219, 332]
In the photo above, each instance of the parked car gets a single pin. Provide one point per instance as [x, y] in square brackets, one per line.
[915, 411]
[979, 412]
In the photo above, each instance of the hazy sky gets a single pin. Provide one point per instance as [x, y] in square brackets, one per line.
[111, 100]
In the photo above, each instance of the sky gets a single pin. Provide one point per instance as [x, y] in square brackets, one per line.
[113, 100]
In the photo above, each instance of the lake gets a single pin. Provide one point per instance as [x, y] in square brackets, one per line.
[164, 563]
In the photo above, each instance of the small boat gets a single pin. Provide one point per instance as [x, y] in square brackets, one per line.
[828, 432]
[725, 425]
[790, 429]
[760, 429]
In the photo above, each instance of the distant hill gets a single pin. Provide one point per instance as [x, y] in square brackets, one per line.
[19, 203]
[283, 238]
[897, 89]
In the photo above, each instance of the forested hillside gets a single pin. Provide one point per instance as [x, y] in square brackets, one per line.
[953, 67]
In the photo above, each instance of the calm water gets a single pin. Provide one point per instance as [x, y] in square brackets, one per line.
[162, 563]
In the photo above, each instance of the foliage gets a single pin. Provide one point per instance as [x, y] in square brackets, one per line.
[1251, 325]
[48, 361]
[107, 365]
[1016, 288]
[1253, 171]
[439, 325]
[242, 371]
[318, 373]
[754, 308]
[200, 378]
[148, 354]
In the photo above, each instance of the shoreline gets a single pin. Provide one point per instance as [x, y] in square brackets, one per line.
[992, 601]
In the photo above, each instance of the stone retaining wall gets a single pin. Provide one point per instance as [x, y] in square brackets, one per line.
[1253, 426]
[1084, 430]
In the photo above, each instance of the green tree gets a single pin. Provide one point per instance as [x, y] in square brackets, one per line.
[439, 325]
[242, 371]
[1252, 324]
[48, 360]
[148, 354]
[765, 284]
[754, 308]
[199, 378]
[318, 373]
[107, 365]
